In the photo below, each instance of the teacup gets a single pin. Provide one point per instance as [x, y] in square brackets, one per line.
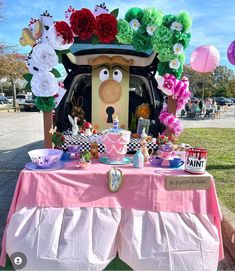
[176, 162]
[165, 154]
[155, 161]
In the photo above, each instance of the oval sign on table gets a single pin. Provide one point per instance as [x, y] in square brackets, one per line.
[115, 179]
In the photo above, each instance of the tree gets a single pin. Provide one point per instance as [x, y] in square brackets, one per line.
[231, 87]
[222, 76]
[12, 67]
[200, 84]
[218, 83]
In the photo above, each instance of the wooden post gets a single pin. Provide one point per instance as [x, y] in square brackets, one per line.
[171, 106]
[48, 124]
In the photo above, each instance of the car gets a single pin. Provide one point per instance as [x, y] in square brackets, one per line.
[80, 85]
[20, 99]
[30, 105]
[10, 99]
[4, 103]
[233, 100]
[223, 101]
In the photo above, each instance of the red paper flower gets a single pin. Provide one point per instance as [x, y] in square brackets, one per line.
[83, 23]
[64, 30]
[106, 29]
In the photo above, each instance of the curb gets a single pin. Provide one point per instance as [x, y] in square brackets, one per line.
[228, 230]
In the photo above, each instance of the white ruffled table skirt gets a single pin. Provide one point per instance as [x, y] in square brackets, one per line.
[89, 238]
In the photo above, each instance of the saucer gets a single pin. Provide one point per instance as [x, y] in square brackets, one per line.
[105, 160]
[32, 166]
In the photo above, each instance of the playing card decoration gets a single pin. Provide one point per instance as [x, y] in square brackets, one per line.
[58, 97]
[115, 179]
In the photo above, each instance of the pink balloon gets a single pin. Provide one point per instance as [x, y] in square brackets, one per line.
[231, 53]
[205, 58]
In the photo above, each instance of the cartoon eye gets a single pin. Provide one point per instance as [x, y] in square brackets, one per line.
[117, 75]
[104, 75]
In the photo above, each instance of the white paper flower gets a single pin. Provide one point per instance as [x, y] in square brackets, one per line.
[176, 26]
[135, 24]
[56, 41]
[44, 57]
[151, 29]
[44, 84]
[174, 64]
[178, 49]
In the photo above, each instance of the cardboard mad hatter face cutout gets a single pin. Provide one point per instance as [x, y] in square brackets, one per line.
[110, 90]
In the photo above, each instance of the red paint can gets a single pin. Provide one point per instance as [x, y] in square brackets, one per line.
[195, 160]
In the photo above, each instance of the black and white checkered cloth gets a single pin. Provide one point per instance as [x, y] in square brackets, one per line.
[84, 143]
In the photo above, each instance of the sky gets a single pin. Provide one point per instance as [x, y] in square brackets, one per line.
[213, 20]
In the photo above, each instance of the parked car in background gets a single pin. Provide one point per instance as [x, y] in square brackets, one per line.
[30, 105]
[233, 100]
[224, 101]
[20, 99]
[10, 99]
[4, 103]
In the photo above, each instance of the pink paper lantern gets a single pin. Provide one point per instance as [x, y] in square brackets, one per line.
[231, 53]
[205, 58]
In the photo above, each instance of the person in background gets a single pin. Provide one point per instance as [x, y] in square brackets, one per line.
[215, 109]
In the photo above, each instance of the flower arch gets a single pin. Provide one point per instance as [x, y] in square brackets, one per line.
[145, 29]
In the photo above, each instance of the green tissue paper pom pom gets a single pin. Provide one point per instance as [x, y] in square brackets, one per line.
[163, 68]
[163, 42]
[185, 19]
[125, 32]
[134, 13]
[152, 16]
[168, 20]
[45, 104]
[183, 38]
[141, 40]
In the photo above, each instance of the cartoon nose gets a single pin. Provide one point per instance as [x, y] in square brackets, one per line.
[110, 91]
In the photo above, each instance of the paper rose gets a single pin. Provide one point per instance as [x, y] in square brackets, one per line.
[176, 26]
[60, 36]
[44, 84]
[151, 29]
[174, 64]
[83, 23]
[135, 24]
[106, 27]
[178, 49]
[44, 57]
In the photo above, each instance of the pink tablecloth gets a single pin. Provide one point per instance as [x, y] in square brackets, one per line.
[143, 189]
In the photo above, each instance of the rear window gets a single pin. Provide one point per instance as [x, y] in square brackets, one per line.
[21, 96]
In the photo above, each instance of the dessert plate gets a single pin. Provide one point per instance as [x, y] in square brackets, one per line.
[32, 166]
[106, 160]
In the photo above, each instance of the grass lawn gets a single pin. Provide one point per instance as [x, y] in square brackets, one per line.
[221, 158]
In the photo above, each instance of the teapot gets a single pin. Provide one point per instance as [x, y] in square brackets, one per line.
[145, 151]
